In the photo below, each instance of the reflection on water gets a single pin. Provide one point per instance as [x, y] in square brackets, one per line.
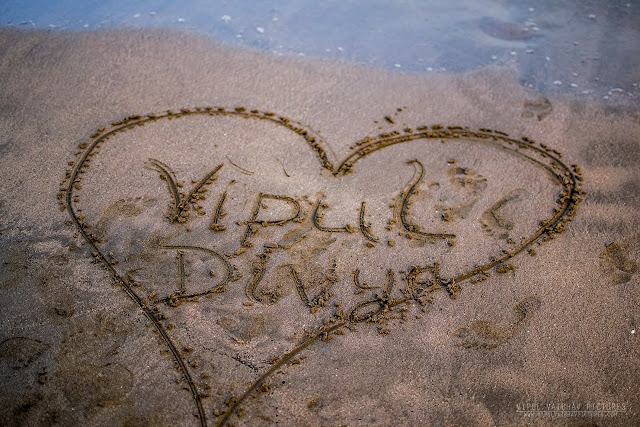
[587, 48]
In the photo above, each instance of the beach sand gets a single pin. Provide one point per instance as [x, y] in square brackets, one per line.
[193, 234]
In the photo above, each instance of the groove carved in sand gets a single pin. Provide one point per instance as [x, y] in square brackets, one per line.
[417, 285]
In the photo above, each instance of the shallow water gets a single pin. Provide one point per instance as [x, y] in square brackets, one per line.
[584, 49]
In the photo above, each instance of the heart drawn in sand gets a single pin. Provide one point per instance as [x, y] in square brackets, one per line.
[428, 203]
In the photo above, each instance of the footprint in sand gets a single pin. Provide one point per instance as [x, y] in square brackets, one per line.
[495, 223]
[469, 185]
[486, 334]
[539, 107]
[619, 264]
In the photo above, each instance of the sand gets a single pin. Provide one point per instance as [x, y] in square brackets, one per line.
[193, 235]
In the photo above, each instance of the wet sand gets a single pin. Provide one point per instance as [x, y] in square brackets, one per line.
[194, 235]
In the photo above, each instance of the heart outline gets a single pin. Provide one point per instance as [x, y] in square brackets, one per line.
[568, 199]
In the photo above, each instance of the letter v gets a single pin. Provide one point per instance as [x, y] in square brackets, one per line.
[181, 202]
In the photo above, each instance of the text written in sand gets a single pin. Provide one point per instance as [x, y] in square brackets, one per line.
[405, 214]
